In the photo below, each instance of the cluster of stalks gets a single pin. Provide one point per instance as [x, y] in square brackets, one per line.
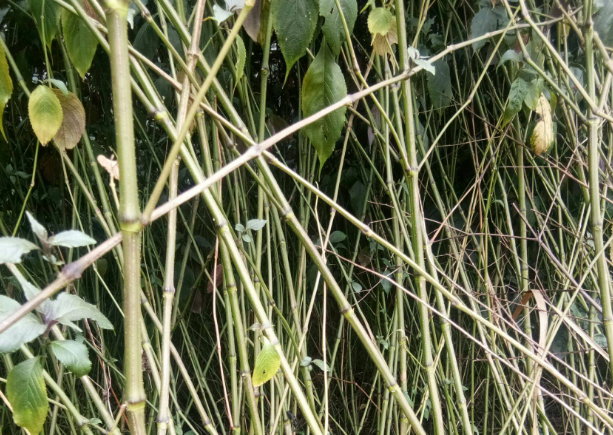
[435, 277]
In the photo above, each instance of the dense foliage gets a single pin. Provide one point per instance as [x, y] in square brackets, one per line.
[306, 216]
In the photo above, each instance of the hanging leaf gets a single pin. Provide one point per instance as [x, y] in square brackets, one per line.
[603, 22]
[45, 113]
[241, 57]
[439, 85]
[256, 224]
[321, 365]
[69, 308]
[81, 43]
[483, 22]
[73, 355]
[47, 17]
[333, 28]
[23, 331]
[71, 239]
[27, 394]
[266, 364]
[517, 94]
[535, 88]
[294, 21]
[37, 228]
[324, 85]
[220, 14]
[73, 120]
[380, 21]
[253, 21]
[13, 248]
[6, 86]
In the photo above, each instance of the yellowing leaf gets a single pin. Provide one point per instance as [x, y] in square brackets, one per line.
[542, 135]
[266, 365]
[45, 113]
[26, 392]
[73, 120]
[6, 86]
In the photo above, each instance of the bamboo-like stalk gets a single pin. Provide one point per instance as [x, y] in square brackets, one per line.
[129, 211]
[594, 183]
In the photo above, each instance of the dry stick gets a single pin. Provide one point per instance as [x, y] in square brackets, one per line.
[169, 288]
[454, 300]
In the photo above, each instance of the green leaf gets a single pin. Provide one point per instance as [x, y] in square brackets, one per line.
[510, 55]
[266, 365]
[81, 43]
[323, 367]
[333, 28]
[37, 228]
[439, 85]
[73, 121]
[426, 65]
[295, 22]
[483, 22]
[68, 308]
[324, 85]
[337, 237]
[220, 14]
[519, 90]
[380, 21]
[13, 248]
[45, 113]
[73, 355]
[27, 394]
[241, 57]
[603, 23]
[23, 331]
[71, 239]
[535, 88]
[256, 224]
[47, 17]
[6, 86]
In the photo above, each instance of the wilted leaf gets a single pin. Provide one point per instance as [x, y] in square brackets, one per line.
[73, 121]
[109, 165]
[252, 22]
[12, 249]
[22, 332]
[439, 85]
[73, 355]
[380, 21]
[6, 86]
[333, 28]
[294, 21]
[71, 239]
[542, 135]
[324, 85]
[68, 308]
[266, 364]
[27, 394]
[45, 113]
[47, 17]
[81, 43]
